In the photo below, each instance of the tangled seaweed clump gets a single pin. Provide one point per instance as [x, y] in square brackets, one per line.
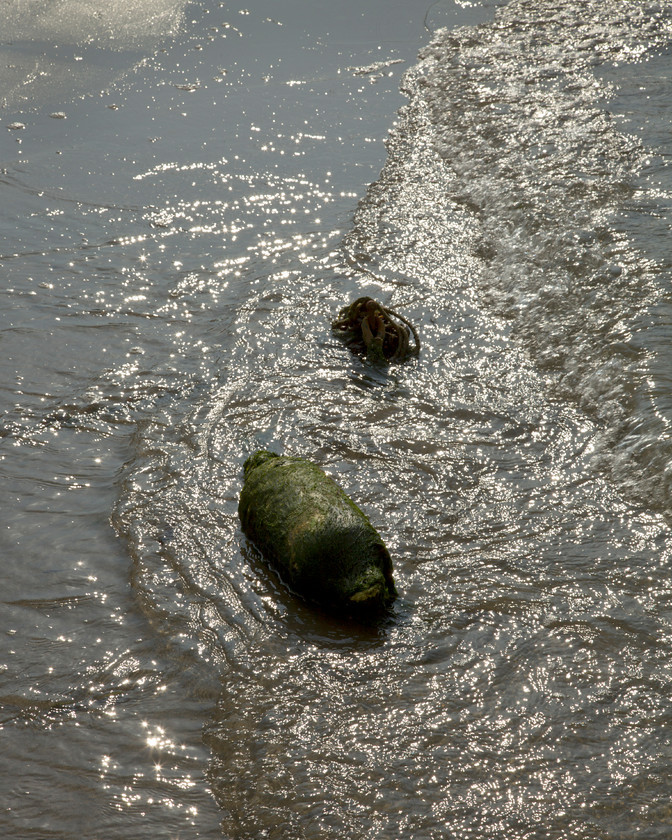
[376, 332]
[320, 542]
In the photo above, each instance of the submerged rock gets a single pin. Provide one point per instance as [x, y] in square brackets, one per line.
[322, 544]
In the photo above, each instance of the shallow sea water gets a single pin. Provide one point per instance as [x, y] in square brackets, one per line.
[176, 241]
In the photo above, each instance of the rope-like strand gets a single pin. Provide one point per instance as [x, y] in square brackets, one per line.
[416, 338]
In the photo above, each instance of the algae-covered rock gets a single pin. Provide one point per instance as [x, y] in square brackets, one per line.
[322, 544]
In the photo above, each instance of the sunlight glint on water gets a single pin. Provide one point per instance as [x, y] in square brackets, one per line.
[171, 280]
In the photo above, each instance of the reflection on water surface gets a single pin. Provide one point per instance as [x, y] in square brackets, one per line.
[173, 266]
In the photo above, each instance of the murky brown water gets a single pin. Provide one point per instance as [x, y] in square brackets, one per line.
[174, 250]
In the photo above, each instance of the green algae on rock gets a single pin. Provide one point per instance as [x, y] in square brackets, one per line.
[321, 543]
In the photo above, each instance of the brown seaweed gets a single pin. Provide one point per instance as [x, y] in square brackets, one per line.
[379, 333]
